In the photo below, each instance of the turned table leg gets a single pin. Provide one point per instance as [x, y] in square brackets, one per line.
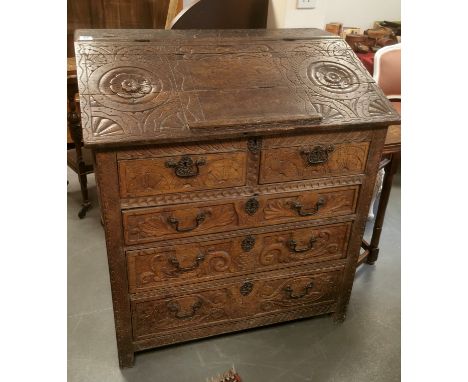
[74, 125]
[390, 170]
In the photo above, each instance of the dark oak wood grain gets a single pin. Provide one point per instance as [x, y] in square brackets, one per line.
[188, 78]
[235, 170]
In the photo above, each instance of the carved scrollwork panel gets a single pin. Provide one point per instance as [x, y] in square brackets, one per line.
[232, 301]
[329, 243]
[203, 261]
[338, 202]
[160, 224]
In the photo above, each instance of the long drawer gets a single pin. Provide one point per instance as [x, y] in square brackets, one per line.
[162, 223]
[216, 259]
[215, 304]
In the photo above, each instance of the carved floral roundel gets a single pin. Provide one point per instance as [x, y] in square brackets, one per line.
[332, 78]
[128, 85]
[127, 88]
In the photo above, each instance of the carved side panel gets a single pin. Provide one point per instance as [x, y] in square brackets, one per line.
[357, 231]
[232, 301]
[184, 173]
[107, 181]
[205, 261]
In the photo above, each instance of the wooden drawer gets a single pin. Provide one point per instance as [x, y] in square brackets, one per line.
[162, 223]
[210, 260]
[214, 304]
[310, 158]
[182, 173]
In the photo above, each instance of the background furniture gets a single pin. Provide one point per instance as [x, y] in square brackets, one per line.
[79, 159]
[387, 75]
[234, 185]
[115, 14]
[368, 60]
[102, 14]
[226, 14]
[174, 7]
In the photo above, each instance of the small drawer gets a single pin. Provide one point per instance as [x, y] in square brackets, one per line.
[211, 260]
[216, 304]
[181, 173]
[162, 223]
[312, 160]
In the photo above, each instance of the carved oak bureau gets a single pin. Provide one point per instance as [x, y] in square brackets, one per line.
[235, 169]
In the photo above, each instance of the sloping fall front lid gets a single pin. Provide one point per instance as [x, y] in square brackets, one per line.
[158, 86]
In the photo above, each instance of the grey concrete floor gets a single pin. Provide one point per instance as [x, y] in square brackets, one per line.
[365, 348]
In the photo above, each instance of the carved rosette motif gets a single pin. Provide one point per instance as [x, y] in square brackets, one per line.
[132, 86]
[333, 78]
[126, 88]
[135, 97]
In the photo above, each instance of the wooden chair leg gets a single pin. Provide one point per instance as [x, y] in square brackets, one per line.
[390, 171]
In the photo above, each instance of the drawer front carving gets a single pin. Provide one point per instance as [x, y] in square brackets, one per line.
[233, 300]
[184, 173]
[165, 223]
[162, 223]
[317, 160]
[150, 268]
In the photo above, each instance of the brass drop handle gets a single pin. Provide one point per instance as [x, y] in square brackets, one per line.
[296, 206]
[292, 245]
[175, 263]
[290, 294]
[318, 154]
[200, 218]
[186, 167]
[175, 307]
